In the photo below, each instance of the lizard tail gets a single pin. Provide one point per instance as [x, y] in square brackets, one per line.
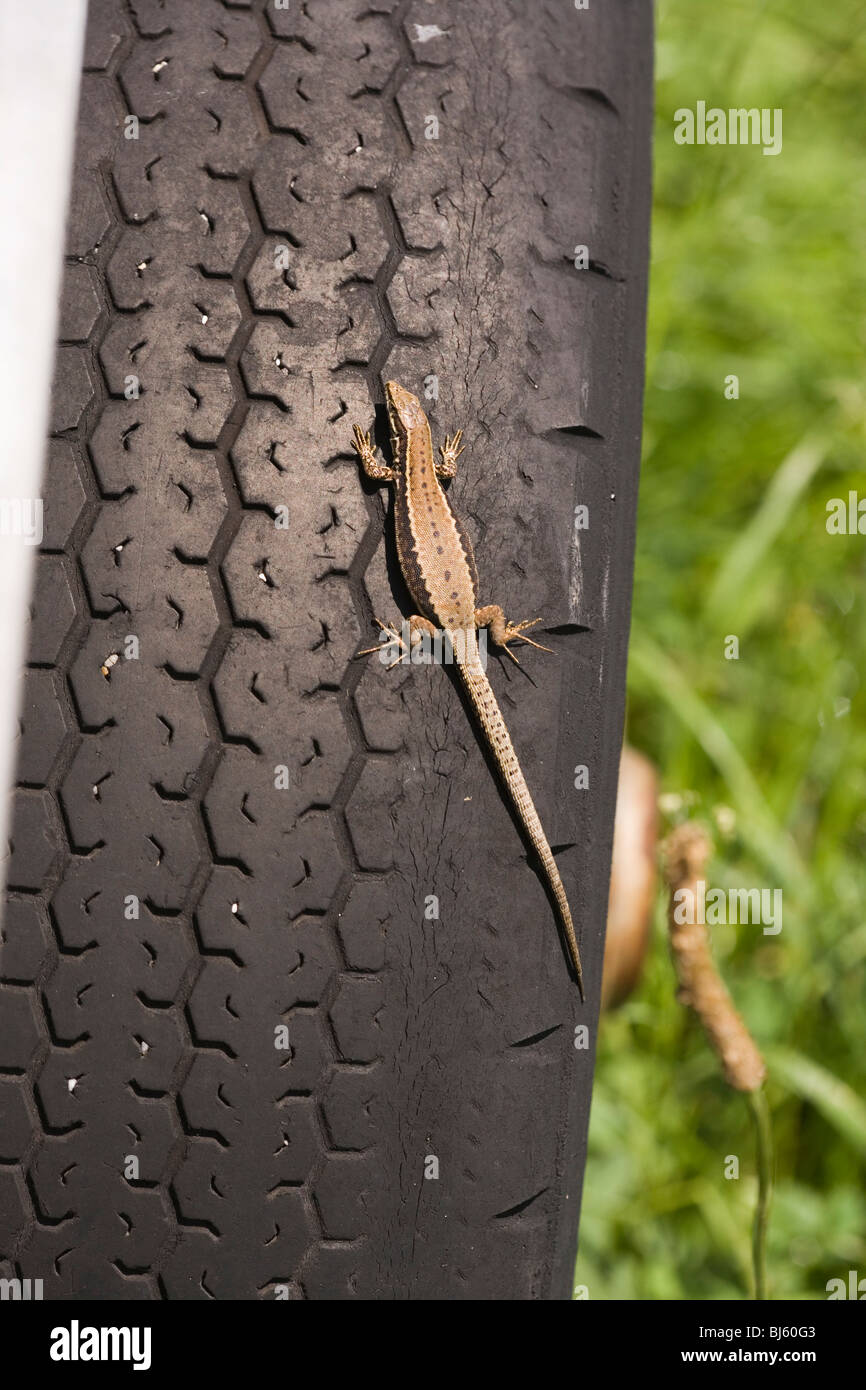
[493, 726]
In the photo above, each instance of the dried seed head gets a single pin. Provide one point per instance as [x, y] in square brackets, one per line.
[685, 854]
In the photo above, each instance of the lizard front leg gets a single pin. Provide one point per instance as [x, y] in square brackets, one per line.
[373, 466]
[418, 627]
[449, 452]
[502, 632]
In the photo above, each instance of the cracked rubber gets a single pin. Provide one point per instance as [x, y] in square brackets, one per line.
[236, 827]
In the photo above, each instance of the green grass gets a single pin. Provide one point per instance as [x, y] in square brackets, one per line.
[758, 269]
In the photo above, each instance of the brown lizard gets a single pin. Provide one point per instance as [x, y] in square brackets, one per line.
[438, 565]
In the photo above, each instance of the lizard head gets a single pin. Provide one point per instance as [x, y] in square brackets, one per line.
[405, 411]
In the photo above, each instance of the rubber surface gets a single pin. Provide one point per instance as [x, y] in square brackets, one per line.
[240, 827]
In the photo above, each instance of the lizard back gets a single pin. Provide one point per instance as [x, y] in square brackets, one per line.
[435, 552]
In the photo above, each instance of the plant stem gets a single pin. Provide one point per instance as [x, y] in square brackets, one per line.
[764, 1148]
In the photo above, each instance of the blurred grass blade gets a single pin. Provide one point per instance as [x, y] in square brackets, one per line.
[766, 838]
[789, 482]
[834, 1099]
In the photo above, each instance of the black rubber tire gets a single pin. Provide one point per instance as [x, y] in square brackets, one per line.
[156, 1139]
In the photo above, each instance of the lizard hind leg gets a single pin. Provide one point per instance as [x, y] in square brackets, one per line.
[373, 466]
[418, 627]
[449, 452]
[502, 632]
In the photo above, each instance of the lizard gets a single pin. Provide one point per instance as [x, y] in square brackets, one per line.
[438, 564]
